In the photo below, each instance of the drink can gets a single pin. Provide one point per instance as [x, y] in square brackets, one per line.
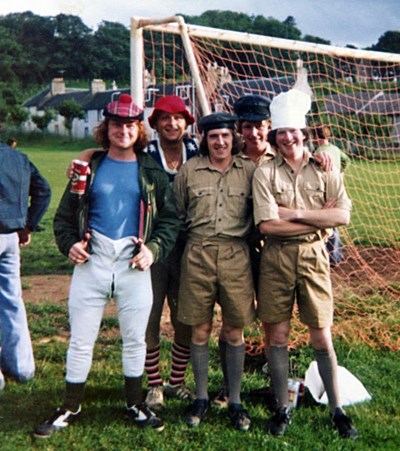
[293, 387]
[80, 171]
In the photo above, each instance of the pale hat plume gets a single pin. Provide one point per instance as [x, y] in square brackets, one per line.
[289, 109]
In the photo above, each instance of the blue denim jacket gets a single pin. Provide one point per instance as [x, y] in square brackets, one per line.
[24, 192]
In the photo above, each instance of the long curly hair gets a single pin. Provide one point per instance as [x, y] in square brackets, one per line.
[100, 135]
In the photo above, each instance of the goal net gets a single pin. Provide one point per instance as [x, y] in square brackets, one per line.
[355, 92]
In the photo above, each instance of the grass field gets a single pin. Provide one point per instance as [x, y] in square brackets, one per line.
[102, 426]
[374, 188]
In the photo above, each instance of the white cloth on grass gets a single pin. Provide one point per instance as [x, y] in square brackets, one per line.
[351, 390]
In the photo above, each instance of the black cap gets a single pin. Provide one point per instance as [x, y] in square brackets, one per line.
[252, 108]
[217, 120]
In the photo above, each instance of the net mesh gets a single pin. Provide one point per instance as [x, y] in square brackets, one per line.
[357, 96]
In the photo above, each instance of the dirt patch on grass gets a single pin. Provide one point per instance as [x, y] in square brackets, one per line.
[55, 288]
[50, 288]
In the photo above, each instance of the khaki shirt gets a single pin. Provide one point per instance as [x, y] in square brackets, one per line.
[275, 184]
[268, 155]
[215, 204]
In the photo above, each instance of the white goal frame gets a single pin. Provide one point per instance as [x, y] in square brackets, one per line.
[177, 25]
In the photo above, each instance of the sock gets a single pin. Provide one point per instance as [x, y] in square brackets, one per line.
[222, 353]
[199, 355]
[133, 390]
[180, 360]
[278, 362]
[327, 368]
[234, 369]
[152, 367]
[74, 394]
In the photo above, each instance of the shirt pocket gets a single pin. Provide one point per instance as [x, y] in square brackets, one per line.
[238, 202]
[202, 203]
[315, 193]
[284, 194]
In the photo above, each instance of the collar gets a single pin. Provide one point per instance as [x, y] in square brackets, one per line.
[205, 163]
[307, 157]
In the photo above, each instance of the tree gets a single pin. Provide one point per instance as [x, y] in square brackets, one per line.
[388, 42]
[44, 120]
[111, 52]
[33, 45]
[70, 109]
[315, 39]
[11, 112]
[73, 47]
[17, 115]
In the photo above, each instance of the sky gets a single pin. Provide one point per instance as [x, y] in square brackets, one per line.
[356, 22]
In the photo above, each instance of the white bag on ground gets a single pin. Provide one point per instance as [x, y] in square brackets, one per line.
[351, 390]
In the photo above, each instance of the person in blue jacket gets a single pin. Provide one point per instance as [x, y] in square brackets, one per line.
[24, 198]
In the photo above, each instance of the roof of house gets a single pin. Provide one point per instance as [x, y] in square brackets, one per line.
[44, 99]
[80, 96]
[268, 87]
[100, 99]
[369, 102]
[230, 91]
[37, 99]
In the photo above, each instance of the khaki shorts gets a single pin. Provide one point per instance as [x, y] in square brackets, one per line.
[295, 271]
[217, 271]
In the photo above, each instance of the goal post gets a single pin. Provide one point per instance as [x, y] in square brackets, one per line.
[355, 92]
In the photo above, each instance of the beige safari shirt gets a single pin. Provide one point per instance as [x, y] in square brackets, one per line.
[266, 156]
[275, 184]
[214, 204]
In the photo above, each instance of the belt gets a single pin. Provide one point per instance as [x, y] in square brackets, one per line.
[214, 240]
[304, 239]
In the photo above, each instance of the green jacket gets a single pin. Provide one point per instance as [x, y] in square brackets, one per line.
[158, 225]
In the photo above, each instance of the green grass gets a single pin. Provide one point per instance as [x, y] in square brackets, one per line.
[102, 425]
[374, 188]
[51, 156]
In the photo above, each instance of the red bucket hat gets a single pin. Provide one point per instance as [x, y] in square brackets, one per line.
[170, 104]
[123, 109]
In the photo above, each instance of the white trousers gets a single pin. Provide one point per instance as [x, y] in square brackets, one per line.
[107, 275]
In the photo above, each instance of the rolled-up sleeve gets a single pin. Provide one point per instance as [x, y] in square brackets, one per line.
[335, 189]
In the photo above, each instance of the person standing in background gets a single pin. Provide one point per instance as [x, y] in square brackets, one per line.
[12, 142]
[24, 198]
[321, 135]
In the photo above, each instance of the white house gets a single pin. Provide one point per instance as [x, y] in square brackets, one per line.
[93, 101]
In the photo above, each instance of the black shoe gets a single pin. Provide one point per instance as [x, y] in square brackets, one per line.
[143, 416]
[197, 412]
[279, 422]
[60, 420]
[344, 425]
[239, 417]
